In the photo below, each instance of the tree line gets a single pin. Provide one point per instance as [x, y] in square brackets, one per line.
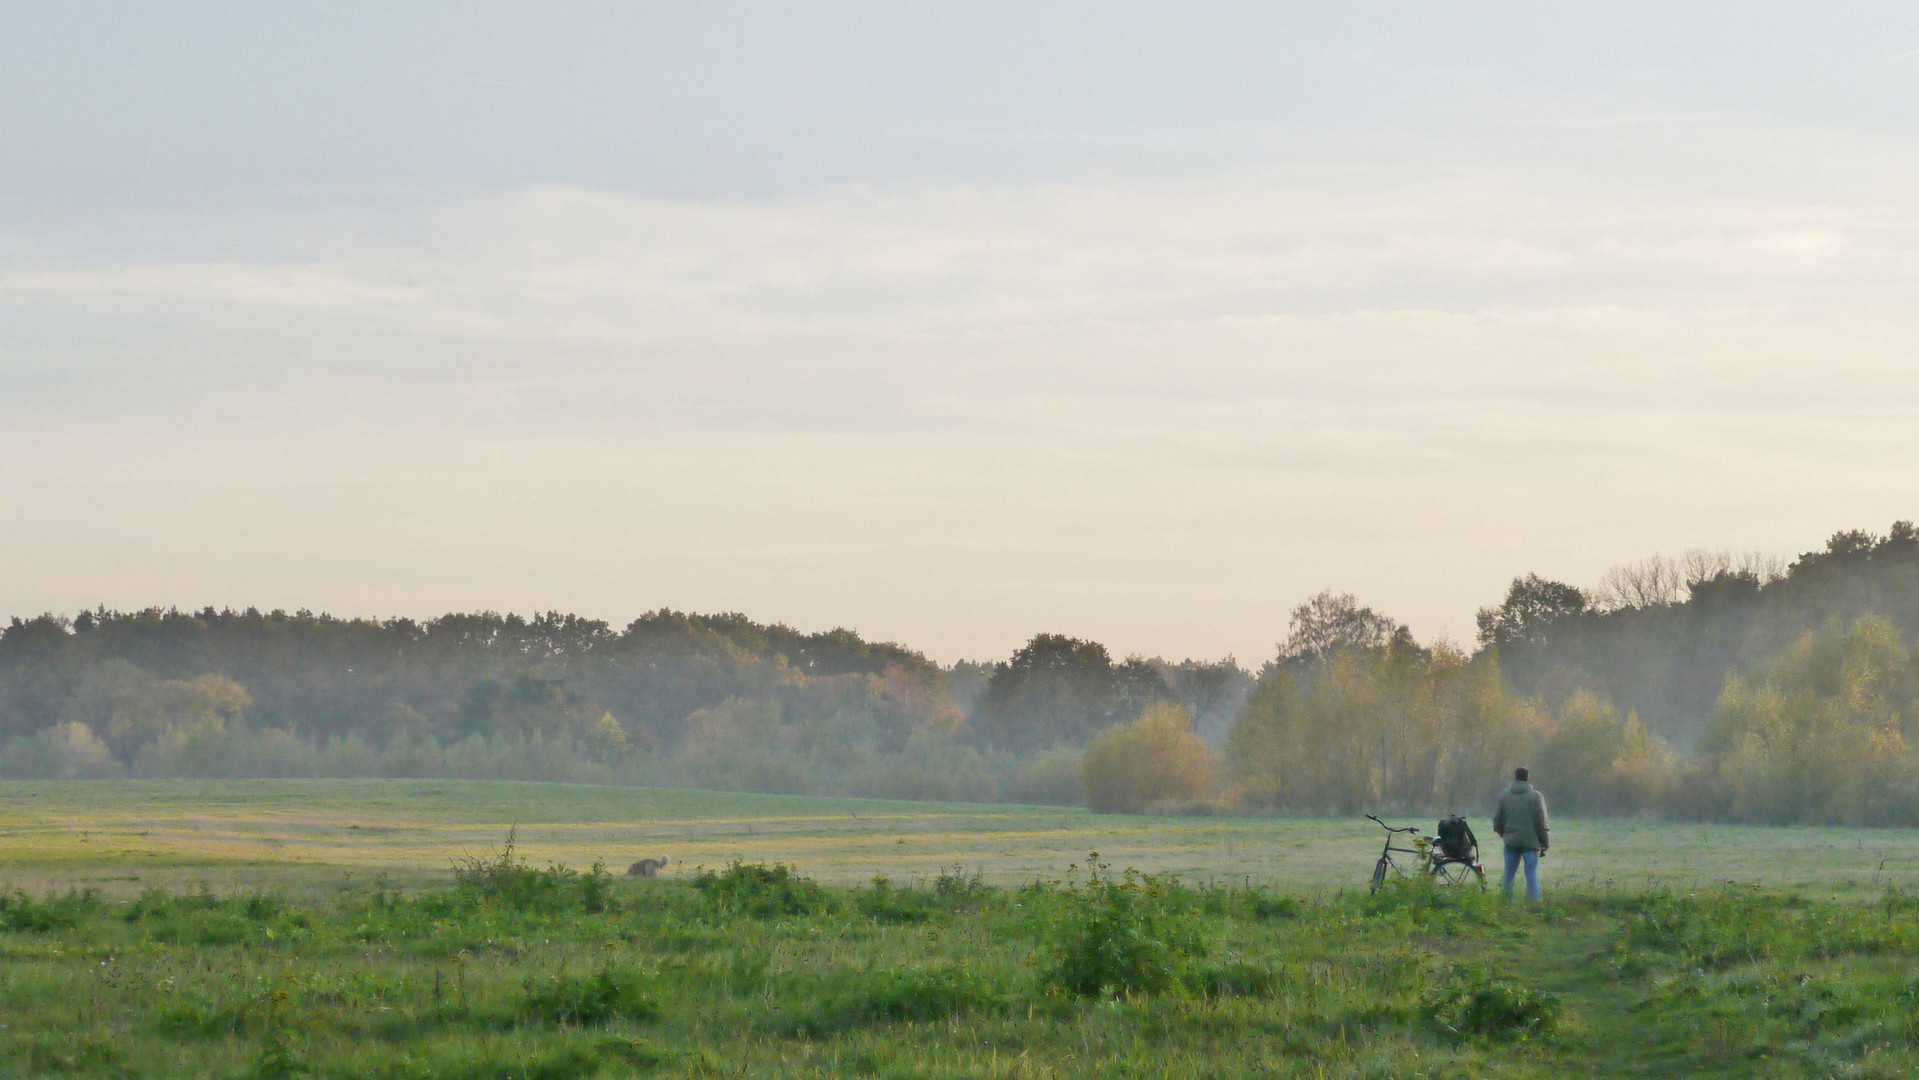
[1707, 686]
[713, 700]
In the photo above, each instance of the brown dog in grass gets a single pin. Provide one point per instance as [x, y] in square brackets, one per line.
[646, 867]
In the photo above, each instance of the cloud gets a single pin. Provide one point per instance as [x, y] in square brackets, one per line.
[1153, 412]
[593, 280]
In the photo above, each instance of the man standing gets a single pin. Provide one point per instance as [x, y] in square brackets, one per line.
[1520, 820]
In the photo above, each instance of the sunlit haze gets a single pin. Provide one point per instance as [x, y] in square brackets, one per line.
[948, 324]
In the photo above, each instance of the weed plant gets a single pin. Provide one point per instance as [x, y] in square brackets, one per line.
[614, 992]
[952, 892]
[1130, 933]
[506, 880]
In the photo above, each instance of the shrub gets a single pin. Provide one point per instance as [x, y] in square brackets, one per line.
[1424, 901]
[887, 903]
[20, 912]
[760, 891]
[161, 904]
[1476, 1004]
[1156, 758]
[1117, 936]
[505, 879]
[613, 992]
[957, 891]
[277, 1061]
[202, 918]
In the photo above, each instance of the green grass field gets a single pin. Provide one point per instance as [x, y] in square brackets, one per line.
[317, 929]
[123, 837]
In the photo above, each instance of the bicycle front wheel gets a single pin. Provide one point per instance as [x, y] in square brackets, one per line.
[1379, 872]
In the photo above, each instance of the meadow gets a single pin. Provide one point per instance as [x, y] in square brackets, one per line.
[382, 929]
[312, 837]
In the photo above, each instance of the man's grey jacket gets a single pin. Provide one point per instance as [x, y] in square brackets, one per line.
[1520, 819]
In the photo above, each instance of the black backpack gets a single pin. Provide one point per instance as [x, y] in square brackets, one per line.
[1456, 839]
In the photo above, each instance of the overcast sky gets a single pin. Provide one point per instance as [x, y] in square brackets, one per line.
[947, 323]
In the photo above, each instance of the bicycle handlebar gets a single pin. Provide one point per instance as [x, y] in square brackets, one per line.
[1389, 828]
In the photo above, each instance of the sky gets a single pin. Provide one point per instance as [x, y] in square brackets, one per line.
[948, 323]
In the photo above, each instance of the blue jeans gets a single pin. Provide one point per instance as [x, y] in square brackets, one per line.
[1514, 857]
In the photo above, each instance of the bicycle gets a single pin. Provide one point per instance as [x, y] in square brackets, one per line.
[1442, 866]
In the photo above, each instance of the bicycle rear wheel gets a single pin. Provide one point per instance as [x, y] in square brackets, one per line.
[1455, 872]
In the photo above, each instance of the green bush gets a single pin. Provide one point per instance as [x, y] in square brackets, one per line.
[262, 906]
[1155, 759]
[18, 911]
[201, 918]
[959, 891]
[952, 891]
[614, 992]
[1423, 901]
[1468, 1005]
[276, 1062]
[882, 901]
[762, 891]
[506, 880]
[1118, 935]
[161, 904]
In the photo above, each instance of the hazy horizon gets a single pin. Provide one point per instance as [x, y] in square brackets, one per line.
[948, 325]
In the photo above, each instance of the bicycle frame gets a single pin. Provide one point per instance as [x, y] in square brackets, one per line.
[1386, 854]
[1430, 862]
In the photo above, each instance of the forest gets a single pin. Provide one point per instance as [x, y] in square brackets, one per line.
[1705, 687]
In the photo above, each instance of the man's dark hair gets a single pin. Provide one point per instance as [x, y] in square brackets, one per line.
[1522, 773]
